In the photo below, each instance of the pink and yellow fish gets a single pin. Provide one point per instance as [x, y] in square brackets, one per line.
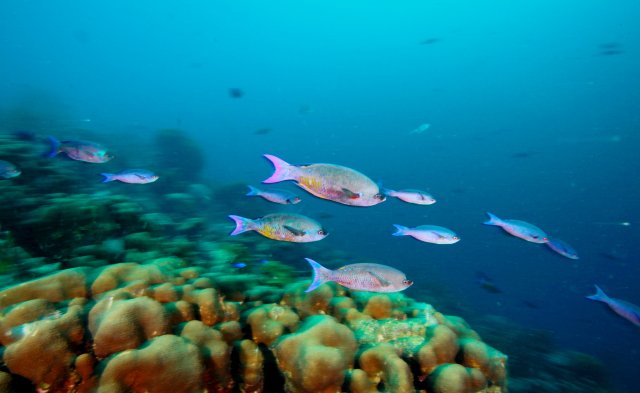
[286, 227]
[333, 182]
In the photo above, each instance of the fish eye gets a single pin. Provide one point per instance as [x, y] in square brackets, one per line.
[380, 196]
[407, 282]
[456, 238]
[546, 239]
[322, 232]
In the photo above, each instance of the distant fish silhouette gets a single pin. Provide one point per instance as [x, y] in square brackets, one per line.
[530, 304]
[429, 41]
[262, 131]
[486, 283]
[610, 49]
[524, 154]
[235, 92]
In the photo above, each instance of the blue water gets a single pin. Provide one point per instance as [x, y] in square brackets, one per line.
[533, 107]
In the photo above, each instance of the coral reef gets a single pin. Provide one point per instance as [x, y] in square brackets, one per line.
[167, 327]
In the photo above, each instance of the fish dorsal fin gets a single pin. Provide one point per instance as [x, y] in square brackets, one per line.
[381, 280]
[350, 194]
[296, 232]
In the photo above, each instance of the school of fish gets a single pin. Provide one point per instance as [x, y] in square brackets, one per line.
[345, 186]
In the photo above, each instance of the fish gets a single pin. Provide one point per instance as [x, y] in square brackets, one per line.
[370, 277]
[262, 131]
[430, 41]
[517, 228]
[626, 310]
[8, 170]
[282, 197]
[79, 150]
[562, 248]
[235, 92]
[287, 227]
[487, 283]
[239, 265]
[416, 197]
[420, 129]
[328, 181]
[428, 233]
[132, 176]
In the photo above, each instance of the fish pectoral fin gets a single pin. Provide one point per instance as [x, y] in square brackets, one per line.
[296, 232]
[381, 280]
[350, 194]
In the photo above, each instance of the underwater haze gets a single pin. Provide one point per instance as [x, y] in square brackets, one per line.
[526, 109]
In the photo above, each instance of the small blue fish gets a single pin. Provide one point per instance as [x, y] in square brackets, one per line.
[8, 170]
[282, 197]
[371, 277]
[239, 265]
[517, 228]
[626, 310]
[562, 248]
[131, 176]
[428, 234]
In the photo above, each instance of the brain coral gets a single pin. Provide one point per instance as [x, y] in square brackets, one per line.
[161, 327]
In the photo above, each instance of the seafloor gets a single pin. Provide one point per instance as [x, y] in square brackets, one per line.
[133, 289]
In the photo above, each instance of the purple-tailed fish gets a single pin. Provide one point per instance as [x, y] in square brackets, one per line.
[333, 182]
[287, 227]
[428, 233]
[8, 170]
[370, 277]
[517, 228]
[562, 248]
[282, 197]
[411, 196]
[79, 150]
[132, 176]
[626, 310]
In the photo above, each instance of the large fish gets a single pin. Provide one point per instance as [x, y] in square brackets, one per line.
[562, 248]
[517, 228]
[282, 226]
[428, 233]
[333, 182]
[626, 310]
[80, 150]
[371, 277]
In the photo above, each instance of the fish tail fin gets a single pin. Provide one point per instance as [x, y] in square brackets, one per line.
[400, 230]
[320, 275]
[281, 170]
[599, 295]
[253, 191]
[493, 220]
[242, 225]
[108, 177]
[54, 147]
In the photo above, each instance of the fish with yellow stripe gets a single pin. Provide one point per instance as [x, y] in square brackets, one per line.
[328, 181]
[286, 227]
